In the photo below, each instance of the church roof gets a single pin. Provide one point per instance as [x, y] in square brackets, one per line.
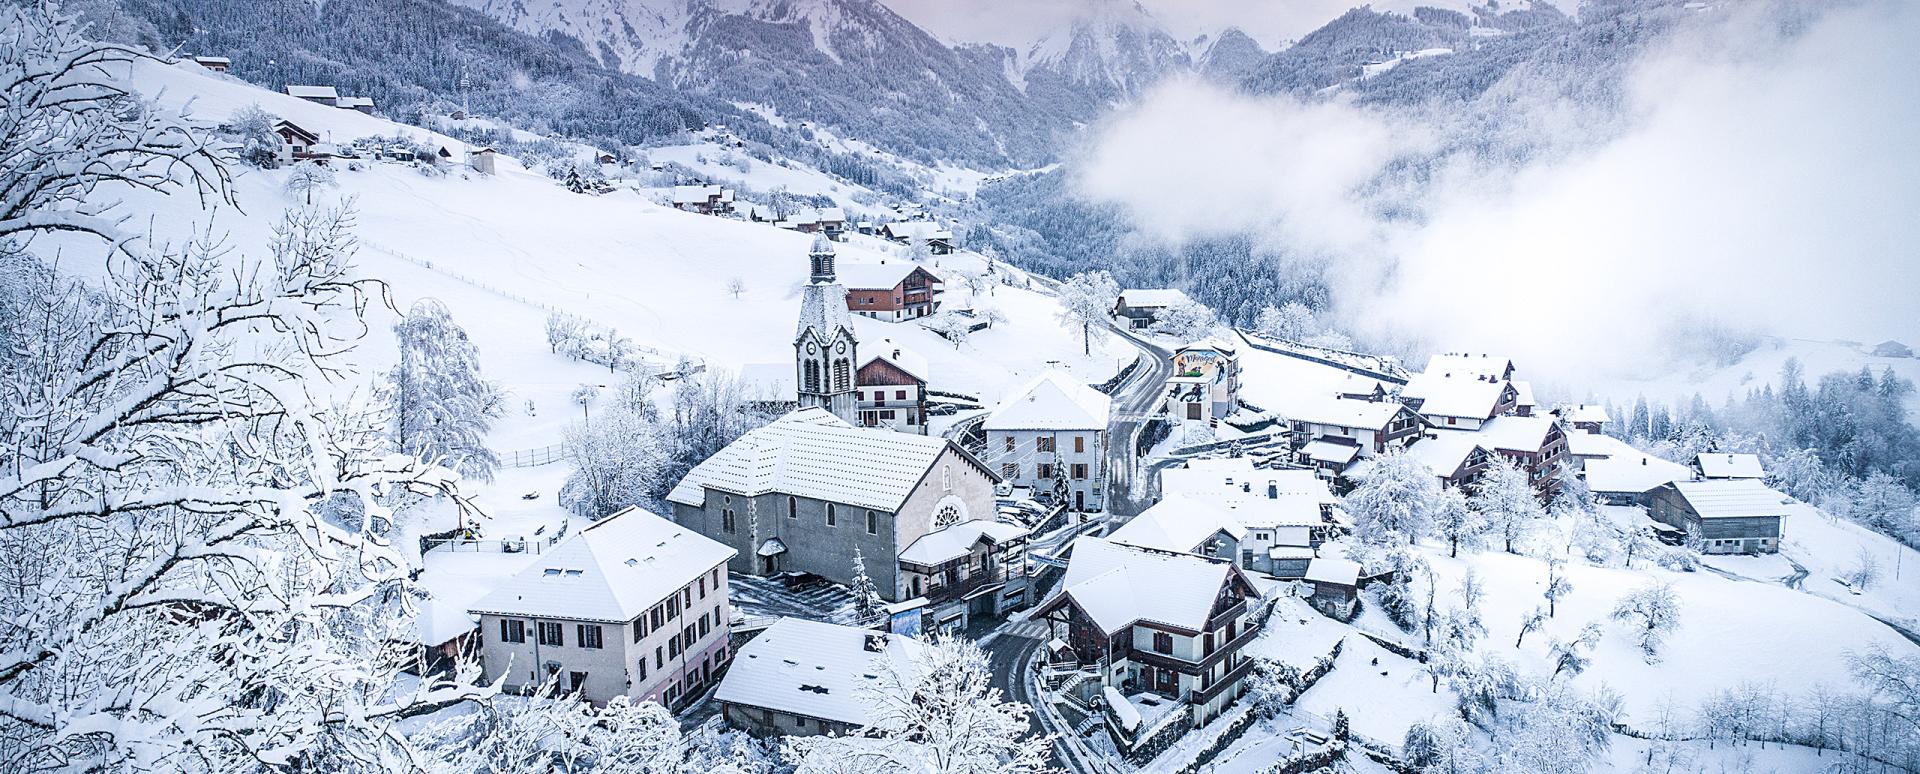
[812, 453]
[823, 307]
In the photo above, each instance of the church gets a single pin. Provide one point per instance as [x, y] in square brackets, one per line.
[808, 492]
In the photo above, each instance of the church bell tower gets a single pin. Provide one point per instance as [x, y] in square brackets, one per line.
[825, 352]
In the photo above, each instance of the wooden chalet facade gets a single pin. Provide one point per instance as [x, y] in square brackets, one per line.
[891, 292]
[891, 395]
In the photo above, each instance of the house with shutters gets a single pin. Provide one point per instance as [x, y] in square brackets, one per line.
[1160, 631]
[295, 142]
[1285, 513]
[1051, 435]
[1537, 445]
[634, 605]
[1140, 308]
[803, 494]
[891, 290]
[807, 678]
[1331, 434]
[891, 389]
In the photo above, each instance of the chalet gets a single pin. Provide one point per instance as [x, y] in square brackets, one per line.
[295, 142]
[1336, 586]
[1463, 401]
[1726, 516]
[1331, 434]
[481, 160]
[1142, 306]
[633, 606]
[802, 494]
[1626, 479]
[703, 199]
[891, 291]
[1205, 383]
[1051, 435]
[1357, 387]
[218, 64]
[1186, 525]
[1891, 348]
[806, 678]
[892, 390]
[324, 95]
[1455, 457]
[1716, 465]
[1584, 448]
[938, 238]
[1163, 630]
[1470, 365]
[1280, 511]
[1584, 416]
[1523, 404]
[973, 568]
[1535, 444]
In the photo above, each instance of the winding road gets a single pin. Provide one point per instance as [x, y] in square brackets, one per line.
[1136, 399]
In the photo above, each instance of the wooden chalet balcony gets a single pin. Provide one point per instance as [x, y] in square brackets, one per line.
[1178, 664]
[890, 403]
[1234, 675]
[953, 591]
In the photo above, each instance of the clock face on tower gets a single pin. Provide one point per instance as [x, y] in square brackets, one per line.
[810, 348]
[842, 348]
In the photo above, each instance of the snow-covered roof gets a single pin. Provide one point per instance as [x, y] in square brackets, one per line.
[902, 358]
[1178, 523]
[1585, 412]
[1718, 465]
[917, 229]
[212, 60]
[1346, 412]
[611, 571]
[1256, 497]
[1470, 364]
[812, 453]
[1634, 473]
[831, 214]
[884, 275]
[354, 102]
[1152, 297]
[1732, 498]
[1345, 572]
[1209, 344]
[1052, 401]
[1444, 451]
[815, 669]
[1118, 585]
[695, 194]
[1523, 393]
[1290, 552]
[1322, 450]
[772, 546]
[1595, 445]
[312, 92]
[958, 540]
[1455, 396]
[1515, 434]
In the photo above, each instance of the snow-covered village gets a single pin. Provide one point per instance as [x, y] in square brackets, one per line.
[960, 386]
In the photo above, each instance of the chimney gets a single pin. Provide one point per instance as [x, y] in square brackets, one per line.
[1273, 490]
[896, 353]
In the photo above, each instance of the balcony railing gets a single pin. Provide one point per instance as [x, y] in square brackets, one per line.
[1178, 664]
[1236, 674]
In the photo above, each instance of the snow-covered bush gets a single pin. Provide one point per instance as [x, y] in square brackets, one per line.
[442, 406]
[1651, 612]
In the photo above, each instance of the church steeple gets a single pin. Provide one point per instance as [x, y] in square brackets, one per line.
[825, 352]
[820, 257]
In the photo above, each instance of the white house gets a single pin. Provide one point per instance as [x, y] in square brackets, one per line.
[1205, 383]
[634, 605]
[1051, 435]
[805, 678]
[1281, 511]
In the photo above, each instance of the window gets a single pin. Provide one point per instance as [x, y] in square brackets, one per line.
[946, 478]
[673, 607]
[703, 587]
[1079, 470]
[716, 615]
[873, 523]
[1043, 470]
[659, 657]
[703, 624]
[513, 631]
[639, 628]
[1162, 642]
[886, 414]
[1079, 444]
[1009, 470]
[793, 508]
[899, 394]
[833, 515]
[589, 635]
[673, 648]
[642, 674]
[658, 615]
[716, 579]
[946, 517]
[1207, 643]
[1009, 443]
[842, 378]
[577, 681]
[550, 633]
[813, 376]
[726, 520]
[688, 636]
[686, 598]
[1043, 443]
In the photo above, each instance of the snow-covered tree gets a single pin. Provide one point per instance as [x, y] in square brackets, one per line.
[1530, 623]
[736, 286]
[1559, 730]
[584, 395]
[1636, 540]
[1557, 584]
[1292, 322]
[1456, 522]
[1506, 499]
[306, 177]
[252, 129]
[1865, 571]
[979, 283]
[1442, 746]
[1085, 301]
[939, 715]
[442, 406]
[1185, 320]
[1395, 500]
[1570, 656]
[563, 330]
[950, 326]
[867, 602]
[1398, 598]
[1651, 612]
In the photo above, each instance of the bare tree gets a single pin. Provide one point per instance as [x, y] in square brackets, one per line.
[1652, 611]
[736, 286]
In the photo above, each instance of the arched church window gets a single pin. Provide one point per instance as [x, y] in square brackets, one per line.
[813, 376]
[842, 376]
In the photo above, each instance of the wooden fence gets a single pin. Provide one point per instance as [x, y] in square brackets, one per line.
[528, 458]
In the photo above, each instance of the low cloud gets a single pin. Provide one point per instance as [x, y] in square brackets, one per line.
[1751, 178]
